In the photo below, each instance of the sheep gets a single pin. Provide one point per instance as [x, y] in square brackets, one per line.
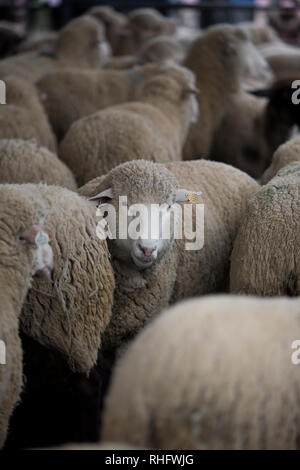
[113, 21]
[221, 58]
[260, 34]
[69, 312]
[265, 257]
[27, 162]
[152, 273]
[25, 252]
[253, 128]
[285, 154]
[211, 373]
[142, 25]
[79, 44]
[69, 95]
[158, 49]
[153, 128]
[23, 116]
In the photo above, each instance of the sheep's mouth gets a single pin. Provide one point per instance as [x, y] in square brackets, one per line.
[143, 261]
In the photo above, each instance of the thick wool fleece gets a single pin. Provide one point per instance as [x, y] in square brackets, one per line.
[212, 57]
[26, 162]
[69, 95]
[154, 128]
[23, 117]
[285, 154]
[70, 311]
[17, 213]
[77, 46]
[266, 258]
[140, 295]
[210, 373]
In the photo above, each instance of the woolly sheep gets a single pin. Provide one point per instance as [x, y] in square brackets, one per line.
[23, 116]
[210, 373]
[113, 21]
[157, 49]
[26, 162]
[221, 58]
[252, 129]
[79, 44]
[265, 257]
[69, 95]
[24, 252]
[153, 128]
[142, 25]
[69, 312]
[285, 154]
[260, 34]
[152, 273]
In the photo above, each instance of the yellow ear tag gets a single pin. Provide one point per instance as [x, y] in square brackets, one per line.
[192, 197]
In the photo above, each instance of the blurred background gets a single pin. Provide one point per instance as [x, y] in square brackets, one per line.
[283, 15]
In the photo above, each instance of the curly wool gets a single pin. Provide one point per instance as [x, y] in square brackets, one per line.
[70, 311]
[266, 258]
[285, 154]
[139, 296]
[152, 128]
[27, 162]
[23, 117]
[210, 373]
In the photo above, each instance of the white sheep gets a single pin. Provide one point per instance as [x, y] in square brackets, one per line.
[218, 372]
[153, 127]
[152, 271]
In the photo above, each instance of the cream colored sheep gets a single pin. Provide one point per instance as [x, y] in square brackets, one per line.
[266, 258]
[157, 49]
[285, 154]
[211, 373]
[23, 117]
[222, 58]
[70, 311]
[151, 273]
[142, 25]
[26, 162]
[153, 128]
[24, 252]
[72, 94]
[113, 21]
[79, 44]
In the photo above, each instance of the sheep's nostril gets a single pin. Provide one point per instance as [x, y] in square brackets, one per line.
[146, 251]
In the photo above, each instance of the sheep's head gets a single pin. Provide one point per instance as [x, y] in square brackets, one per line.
[24, 241]
[138, 198]
[173, 83]
[82, 43]
[237, 52]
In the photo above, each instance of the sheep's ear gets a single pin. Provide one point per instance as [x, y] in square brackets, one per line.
[36, 235]
[102, 198]
[192, 90]
[184, 195]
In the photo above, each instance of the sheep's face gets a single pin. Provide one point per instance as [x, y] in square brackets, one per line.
[141, 211]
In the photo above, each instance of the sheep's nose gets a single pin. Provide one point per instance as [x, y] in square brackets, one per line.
[146, 250]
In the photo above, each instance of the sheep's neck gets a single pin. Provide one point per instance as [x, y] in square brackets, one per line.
[175, 115]
[213, 77]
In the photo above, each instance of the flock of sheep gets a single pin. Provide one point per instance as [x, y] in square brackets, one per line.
[113, 106]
